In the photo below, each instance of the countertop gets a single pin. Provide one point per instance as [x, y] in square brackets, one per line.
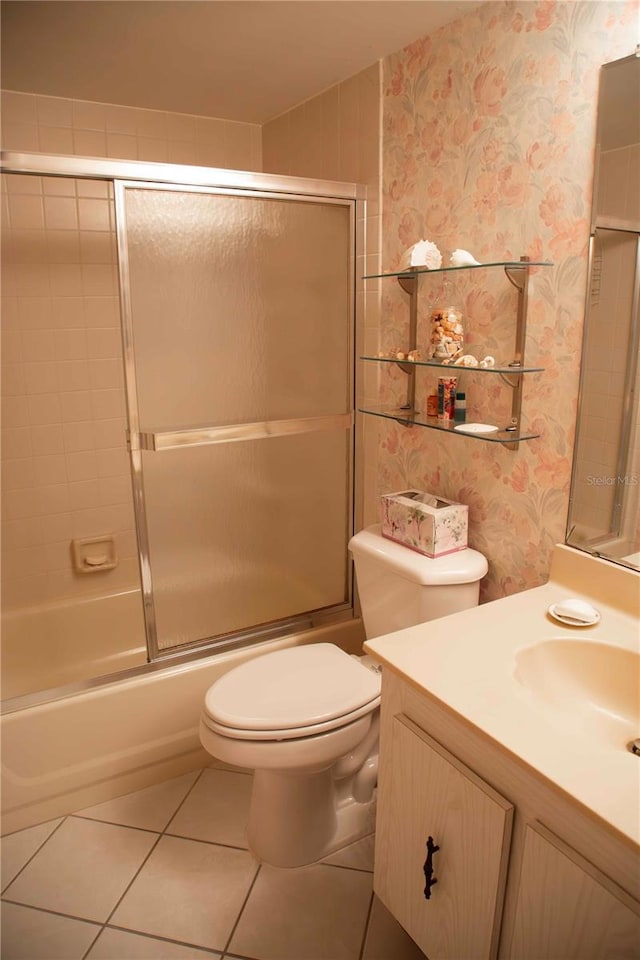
[468, 661]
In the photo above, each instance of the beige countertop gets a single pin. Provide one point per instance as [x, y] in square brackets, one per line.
[470, 662]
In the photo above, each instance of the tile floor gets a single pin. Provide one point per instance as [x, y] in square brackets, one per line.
[165, 873]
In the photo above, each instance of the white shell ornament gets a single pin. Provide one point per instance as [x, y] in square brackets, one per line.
[487, 362]
[462, 258]
[468, 360]
[424, 253]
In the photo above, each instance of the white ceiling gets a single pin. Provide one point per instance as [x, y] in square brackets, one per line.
[244, 60]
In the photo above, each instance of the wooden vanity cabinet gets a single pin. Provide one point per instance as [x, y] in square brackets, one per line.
[424, 792]
[508, 886]
[566, 909]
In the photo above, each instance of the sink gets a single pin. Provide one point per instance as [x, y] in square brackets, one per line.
[593, 687]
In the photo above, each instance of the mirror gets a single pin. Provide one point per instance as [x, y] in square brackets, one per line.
[605, 489]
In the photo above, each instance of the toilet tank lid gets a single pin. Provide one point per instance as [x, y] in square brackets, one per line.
[463, 566]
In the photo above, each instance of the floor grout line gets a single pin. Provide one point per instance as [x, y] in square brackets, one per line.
[366, 927]
[55, 913]
[35, 853]
[241, 911]
[183, 801]
[133, 879]
[158, 936]
[113, 823]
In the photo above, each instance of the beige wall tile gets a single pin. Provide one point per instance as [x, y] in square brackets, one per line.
[56, 140]
[19, 107]
[54, 112]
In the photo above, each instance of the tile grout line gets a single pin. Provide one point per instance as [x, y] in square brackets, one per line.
[133, 879]
[35, 853]
[366, 928]
[114, 823]
[93, 943]
[183, 801]
[241, 911]
[159, 836]
[55, 913]
[157, 936]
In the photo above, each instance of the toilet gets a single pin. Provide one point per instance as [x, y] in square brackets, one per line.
[306, 718]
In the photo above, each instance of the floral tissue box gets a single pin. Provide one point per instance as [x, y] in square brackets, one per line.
[424, 522]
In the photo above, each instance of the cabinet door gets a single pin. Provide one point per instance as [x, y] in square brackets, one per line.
[566, 910]
[425, 792]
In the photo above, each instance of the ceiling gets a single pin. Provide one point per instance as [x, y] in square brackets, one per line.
[246, 60]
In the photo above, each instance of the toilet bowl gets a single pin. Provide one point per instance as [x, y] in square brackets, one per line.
[306, 719]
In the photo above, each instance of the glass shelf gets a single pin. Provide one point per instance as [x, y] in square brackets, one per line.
[416, 418]
[453, 369]
[414, 271]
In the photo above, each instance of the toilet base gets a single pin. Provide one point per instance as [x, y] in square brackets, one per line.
[296, 820]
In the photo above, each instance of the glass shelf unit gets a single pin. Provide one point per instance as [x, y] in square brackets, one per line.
[415, 271]
[517, 273]
[452, 368]
[411, 418]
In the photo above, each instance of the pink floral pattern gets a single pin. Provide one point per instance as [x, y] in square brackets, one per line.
[488, 145]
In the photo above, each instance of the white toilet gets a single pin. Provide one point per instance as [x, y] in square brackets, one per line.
[306, 718]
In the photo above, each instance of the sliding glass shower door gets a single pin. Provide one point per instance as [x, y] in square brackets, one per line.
[238, 317]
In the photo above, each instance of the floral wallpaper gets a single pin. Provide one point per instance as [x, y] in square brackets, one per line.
[488, 145]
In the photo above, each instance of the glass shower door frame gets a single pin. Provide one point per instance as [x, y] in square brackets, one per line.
[139, 440]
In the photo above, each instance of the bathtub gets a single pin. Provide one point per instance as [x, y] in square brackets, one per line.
[64, 642]
[61, 756]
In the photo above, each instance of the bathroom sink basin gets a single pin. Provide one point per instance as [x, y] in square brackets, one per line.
[593, 688]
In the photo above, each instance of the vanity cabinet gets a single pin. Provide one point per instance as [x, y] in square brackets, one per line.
[443, 834]
[517, 273]
[566, 910]
[523, 871]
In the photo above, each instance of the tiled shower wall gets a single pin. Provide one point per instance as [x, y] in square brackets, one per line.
[65, 471]
[65, 466]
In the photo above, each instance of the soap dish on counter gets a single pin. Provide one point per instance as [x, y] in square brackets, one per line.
[574, 613]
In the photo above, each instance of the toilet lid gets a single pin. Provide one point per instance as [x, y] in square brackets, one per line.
[300, 687]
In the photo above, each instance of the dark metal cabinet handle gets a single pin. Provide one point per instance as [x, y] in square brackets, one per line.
[428, 868]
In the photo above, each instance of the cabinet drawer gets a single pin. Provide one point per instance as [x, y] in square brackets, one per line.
[567, 910]
[426, 792]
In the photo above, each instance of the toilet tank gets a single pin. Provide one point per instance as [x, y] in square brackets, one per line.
[399, 587]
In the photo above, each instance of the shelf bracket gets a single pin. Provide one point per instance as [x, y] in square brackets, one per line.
[518, 276]
[410, 286]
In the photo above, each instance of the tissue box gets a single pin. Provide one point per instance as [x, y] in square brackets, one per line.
[424, 522]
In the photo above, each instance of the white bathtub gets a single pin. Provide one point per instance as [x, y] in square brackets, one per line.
[59, 643]
[92, 746]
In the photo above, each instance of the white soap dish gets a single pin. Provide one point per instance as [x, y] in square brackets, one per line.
[574, 613]
[476, 428]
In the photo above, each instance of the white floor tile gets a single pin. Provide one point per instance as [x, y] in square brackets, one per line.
[17, 848]
[358, 855]
[188, 891]
[83, 869]
[33, 935]
[310, 913]
[149, 809]
[386, 939]
[216, 809]
[118, 944]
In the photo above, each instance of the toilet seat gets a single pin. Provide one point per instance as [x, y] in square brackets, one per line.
[293, 693]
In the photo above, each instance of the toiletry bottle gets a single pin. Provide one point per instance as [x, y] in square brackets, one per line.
[460, 414]
[446, 398]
